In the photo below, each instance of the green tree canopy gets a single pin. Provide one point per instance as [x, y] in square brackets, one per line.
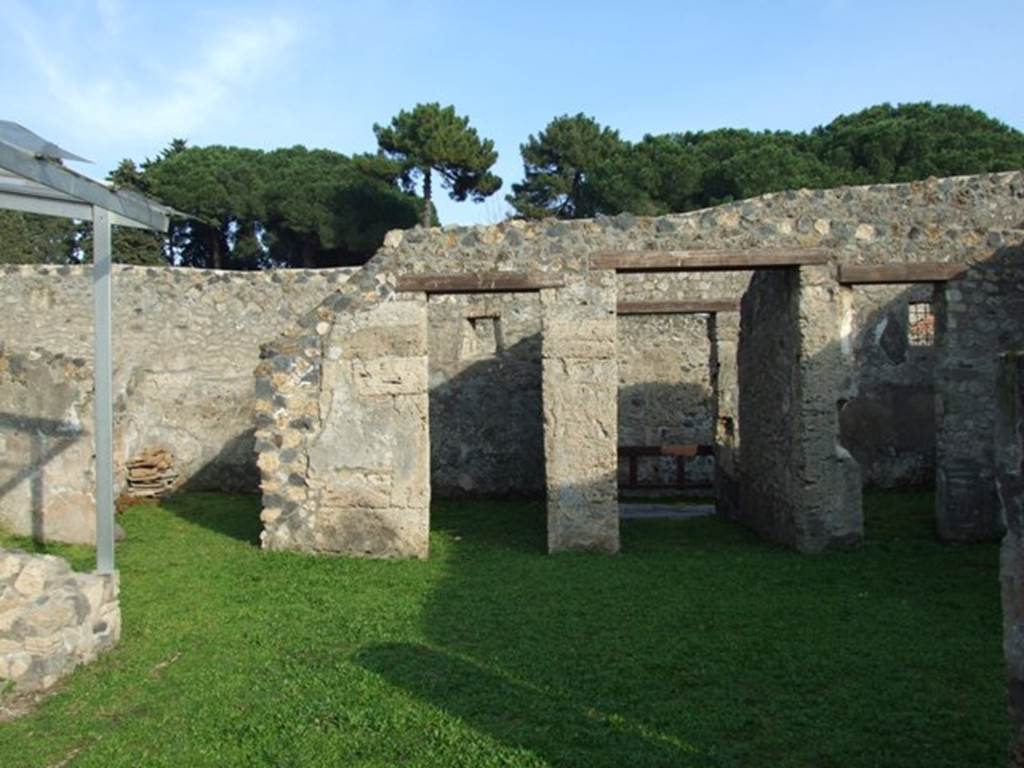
[323, 207]
[222, 187]
[576, 168]
[570, 169]
[434, 138]
[26, 238]
[914, 141]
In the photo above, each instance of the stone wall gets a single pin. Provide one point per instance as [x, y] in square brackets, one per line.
[889, 425]
[800, 487]
[725, 332]
[185, 345]
[937, 220]
[485, 391]
[1009, 454]
[982, 315]
[486, 426]
[665, 391]
[47, 471]
[51, 619]
[361, 484]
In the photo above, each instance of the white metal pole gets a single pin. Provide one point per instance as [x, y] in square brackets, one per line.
[104, 379]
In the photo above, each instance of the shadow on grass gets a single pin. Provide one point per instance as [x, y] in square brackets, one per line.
[514, 711]
[508, 524]
[236, 516]
[700, 645]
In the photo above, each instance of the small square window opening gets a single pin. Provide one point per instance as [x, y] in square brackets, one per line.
[921, 324]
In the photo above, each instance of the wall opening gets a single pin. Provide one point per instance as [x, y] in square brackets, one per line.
[486, 423]
[666, 407]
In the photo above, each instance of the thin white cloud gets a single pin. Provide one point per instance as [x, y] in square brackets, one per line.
[110, 13]
[107, 86]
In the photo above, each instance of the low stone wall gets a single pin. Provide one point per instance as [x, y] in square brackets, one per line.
[52, 619]
[47, 470]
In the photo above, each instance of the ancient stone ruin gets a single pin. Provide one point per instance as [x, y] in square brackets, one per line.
[51, 619]
[349, 401]
[781, 353]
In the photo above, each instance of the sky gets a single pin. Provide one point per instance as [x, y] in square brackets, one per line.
[109, 79]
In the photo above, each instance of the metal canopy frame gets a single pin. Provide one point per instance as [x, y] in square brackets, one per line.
[33, 180]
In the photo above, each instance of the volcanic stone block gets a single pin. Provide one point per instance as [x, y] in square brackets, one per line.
[580, 382]
[801, 487]
[51, 619]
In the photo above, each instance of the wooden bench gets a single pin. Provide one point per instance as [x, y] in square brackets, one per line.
[681, 453]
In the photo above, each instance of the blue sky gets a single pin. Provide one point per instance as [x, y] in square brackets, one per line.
[112, 78]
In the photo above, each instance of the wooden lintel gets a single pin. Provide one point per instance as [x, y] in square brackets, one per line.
[480, 282]
[918, 272]
[678, 307]
[709, 259]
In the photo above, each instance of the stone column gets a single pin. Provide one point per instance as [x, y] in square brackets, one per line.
[724, 329]
[580, 385]
[800, 486]
[1009, 455]
[968, 336]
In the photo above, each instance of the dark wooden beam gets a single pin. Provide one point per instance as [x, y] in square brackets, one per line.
[919, 272]
[480, 282]
[678, 307]
[704, 260]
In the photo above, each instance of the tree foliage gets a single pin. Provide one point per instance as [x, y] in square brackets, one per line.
[434, 138]
[577, 168]
[569, 169]
[250, 209]
[26, 238]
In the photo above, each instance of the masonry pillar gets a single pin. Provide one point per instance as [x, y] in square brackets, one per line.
[580, 385]
[1009, 461]
[968, 335]
[724, 328]
[360, 485]
[800, 486]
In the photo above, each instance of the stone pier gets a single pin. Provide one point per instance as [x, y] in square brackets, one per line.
[978, 317]
[580, 385]
[724, 328]
[360, 485]
[801, 488]
[1009, 455]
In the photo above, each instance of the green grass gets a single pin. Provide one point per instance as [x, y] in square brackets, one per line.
[698, 646]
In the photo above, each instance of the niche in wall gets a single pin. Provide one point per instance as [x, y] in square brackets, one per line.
[481, 336]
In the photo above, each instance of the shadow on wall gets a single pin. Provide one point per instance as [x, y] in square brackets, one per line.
[487, 424]
[232, 470]
[983, 317]
[889, 425]
[46, 440]
[656, 414]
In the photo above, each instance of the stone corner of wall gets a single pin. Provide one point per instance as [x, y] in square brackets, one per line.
[52, 619]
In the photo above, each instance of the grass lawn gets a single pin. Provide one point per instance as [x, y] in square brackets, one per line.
[698, 646]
